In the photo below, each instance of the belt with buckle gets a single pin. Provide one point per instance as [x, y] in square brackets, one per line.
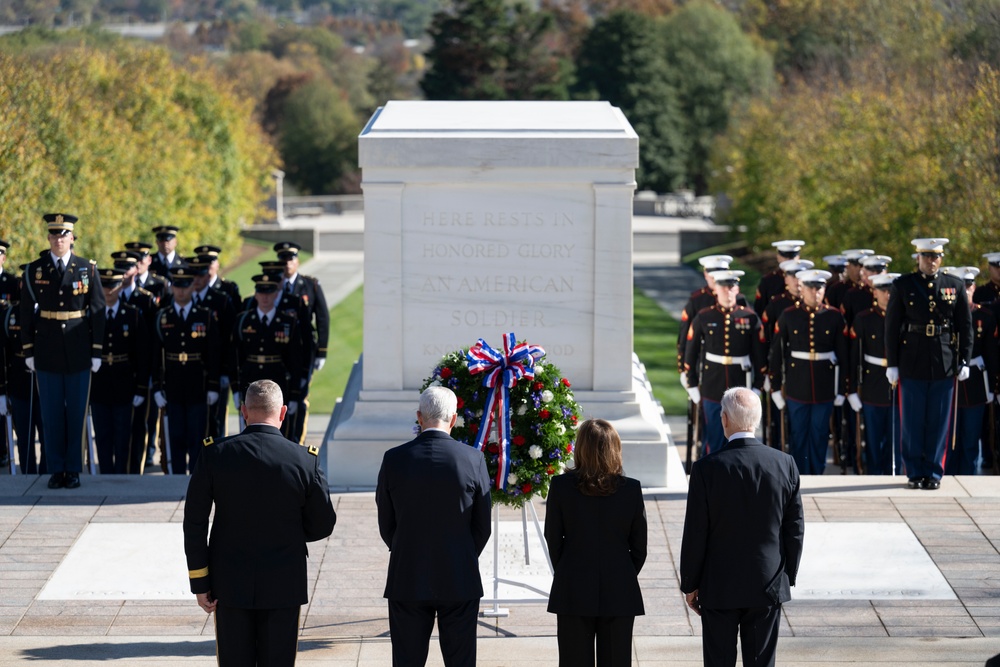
[877, 361]
[929, 330]
[61, 315]
[114, 358]
[814, 356]
[727, 360]
[184, 357]
[263, 359]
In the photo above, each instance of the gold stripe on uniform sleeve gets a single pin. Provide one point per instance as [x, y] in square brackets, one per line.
[198, 574]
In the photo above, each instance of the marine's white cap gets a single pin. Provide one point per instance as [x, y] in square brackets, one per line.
[992, 257]
[728, 277]
[788, 246]
[814, 277]
[884, 280]
[930, 245]
[876, 261]
[793, 266]
[715, 262]
[835, 260]
[855, 254]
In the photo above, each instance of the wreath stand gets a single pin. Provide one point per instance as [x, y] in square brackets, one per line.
[501, 612]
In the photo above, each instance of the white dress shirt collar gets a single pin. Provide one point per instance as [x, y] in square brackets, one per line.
[739, 435]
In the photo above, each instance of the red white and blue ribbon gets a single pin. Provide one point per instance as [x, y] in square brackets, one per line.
[502, 372]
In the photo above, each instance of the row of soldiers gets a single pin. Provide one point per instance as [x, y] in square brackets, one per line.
[911, 361]
[152, 344]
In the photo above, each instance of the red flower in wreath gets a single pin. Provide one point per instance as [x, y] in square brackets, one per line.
[445, 373]
[473, 428]
[493, 448]
[538, 386]
[544, 414]
[550, 471]
[526, 488]
[518, 440]
[569, 447]
[461, 403]
[565, 382]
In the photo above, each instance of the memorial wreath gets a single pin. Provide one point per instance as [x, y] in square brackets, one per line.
[517, 409]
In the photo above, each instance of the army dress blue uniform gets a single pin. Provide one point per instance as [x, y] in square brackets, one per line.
[974, 394]
[187, 361]
[18, 383]
[724, 350]
[225, 314]
[124, 374]
[808, 346]
[928, 335]
[62, 329]
[866, 377]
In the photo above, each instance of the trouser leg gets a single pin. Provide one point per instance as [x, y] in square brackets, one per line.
[614, 641]
[576, 636]
[410, 626]
[457, 632]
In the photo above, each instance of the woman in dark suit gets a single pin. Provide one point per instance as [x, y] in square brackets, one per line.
[595, 527]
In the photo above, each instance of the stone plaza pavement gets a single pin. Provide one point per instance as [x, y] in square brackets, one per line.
[866, 615]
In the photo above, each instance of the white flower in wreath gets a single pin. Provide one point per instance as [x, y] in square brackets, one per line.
[512, 478]
[435, 383]
[560, 429]
[562, 467]
[521, 410]
[459, 421]
[539, 367]
[547, 396]
[479, 413]
[535, 452]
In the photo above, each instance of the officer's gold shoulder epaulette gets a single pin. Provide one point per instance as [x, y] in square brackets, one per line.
[94, 262]
[209, 441]
[314, 450]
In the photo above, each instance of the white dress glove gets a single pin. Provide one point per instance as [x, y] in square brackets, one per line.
[138, 400]
[30, 363]
[779, 400]
[684, 379]
[963, 373]
[4, 411]
[236, 400]
[855, 402]
[838, 400]
[767, 384]
[161, 399]
[989, 397]
[292, 407]
[319, 363]
[224, 382]
[95, 364]
[213, 397]
[892, 374]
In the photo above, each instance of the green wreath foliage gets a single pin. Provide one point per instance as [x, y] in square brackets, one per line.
[543, 423]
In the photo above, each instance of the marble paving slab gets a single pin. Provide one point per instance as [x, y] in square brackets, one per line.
[123, 561]
[534, 573]
[867, 561]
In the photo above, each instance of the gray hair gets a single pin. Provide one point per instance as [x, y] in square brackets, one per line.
[264, 396]
[438, 404]
[743, 408]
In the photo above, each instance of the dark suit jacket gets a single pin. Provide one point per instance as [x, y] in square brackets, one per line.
[270, 498]
[744, 527]
[433, 499]
[597, 545]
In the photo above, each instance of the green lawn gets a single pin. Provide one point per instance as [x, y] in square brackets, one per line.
[655, 343]
[748, 284]
[346, 320]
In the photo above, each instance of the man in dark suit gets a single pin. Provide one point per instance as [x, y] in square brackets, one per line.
[270, 498]
[742, 538]
[433, 500]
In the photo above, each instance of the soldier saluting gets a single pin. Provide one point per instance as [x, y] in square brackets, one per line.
[928, 337]
[62, 329]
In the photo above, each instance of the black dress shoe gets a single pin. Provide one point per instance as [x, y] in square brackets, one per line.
[57, 481]
[931, 484]
[916, 483]
[72, 480]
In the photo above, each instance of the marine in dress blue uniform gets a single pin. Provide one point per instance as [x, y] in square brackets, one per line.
[119, 386]
[871, 395]
[773, 283]
[724, 350]
[928, 336]
[851, 278]
[62, 330]
[810, 343]
[979, 390]
[316, 327]
[187, 360]
[989, 291]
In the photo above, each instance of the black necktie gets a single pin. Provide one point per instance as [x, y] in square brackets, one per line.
[60, 266]
[111, 313]
[263, 320]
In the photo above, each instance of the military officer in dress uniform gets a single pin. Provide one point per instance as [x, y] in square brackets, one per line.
[62, 328]
[989, 291]
[835, 264]
[166, 256]
[267, 346]
[150, 282]
[773, 283]
[225, 313]
[701, 298]
[979, 390]
[871, 395]
[9, 292]
[851, 278]
[270, 499]
[809, 346]
[928, 336]
[119, 387]
[862, 297]
[724, 350]
[17, 386]
[309, 291]
[215, 281]
[187, 360]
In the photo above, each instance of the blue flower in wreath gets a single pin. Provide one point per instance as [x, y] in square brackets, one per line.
[554, 454]
[567, 413]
